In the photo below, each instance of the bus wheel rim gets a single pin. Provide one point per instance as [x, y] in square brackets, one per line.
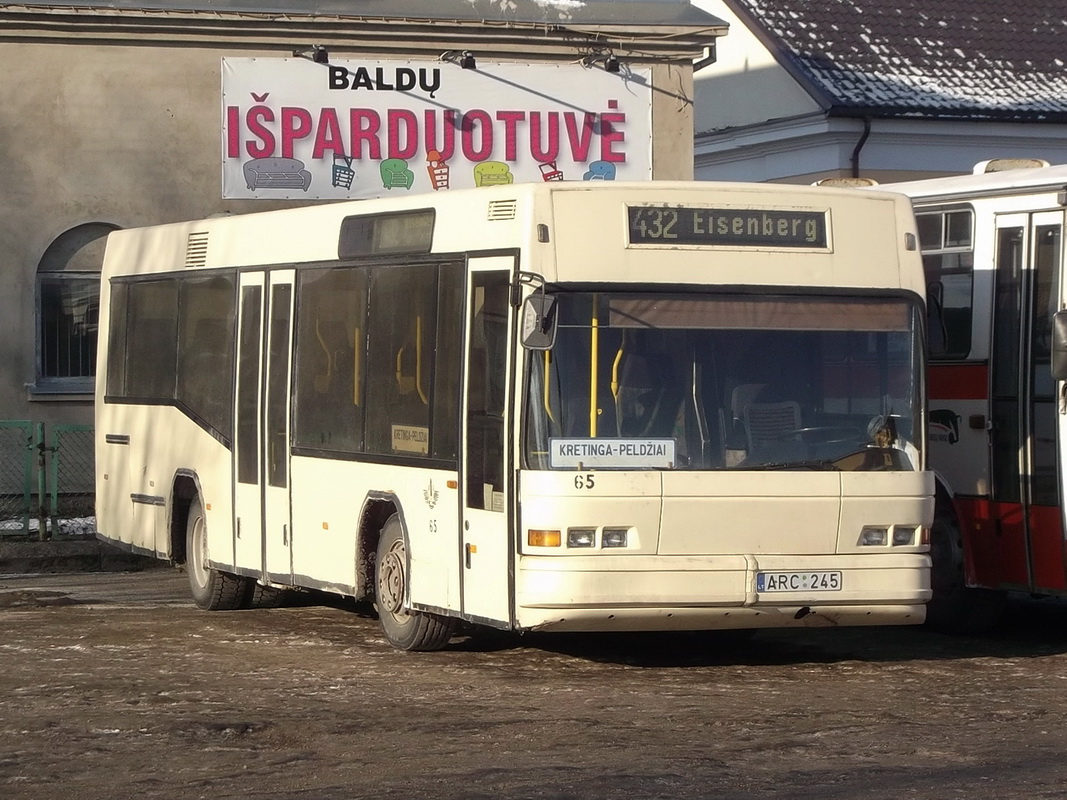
[391, 580]
[198, 557]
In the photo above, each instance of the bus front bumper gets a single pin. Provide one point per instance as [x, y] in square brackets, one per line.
[696, 593]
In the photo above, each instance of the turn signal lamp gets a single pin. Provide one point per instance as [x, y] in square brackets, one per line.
[581, 537]
[924, 537]
[873, 537]
[538, 538]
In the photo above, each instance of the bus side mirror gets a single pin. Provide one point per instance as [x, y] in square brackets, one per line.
[1059, 346]
[539, 322]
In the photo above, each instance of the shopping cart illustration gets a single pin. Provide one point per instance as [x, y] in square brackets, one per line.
[342, 171]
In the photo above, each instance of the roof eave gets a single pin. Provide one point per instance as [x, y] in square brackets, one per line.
[353, 34]
[873, 111]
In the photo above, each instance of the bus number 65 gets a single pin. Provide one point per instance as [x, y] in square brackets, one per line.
[587, 481]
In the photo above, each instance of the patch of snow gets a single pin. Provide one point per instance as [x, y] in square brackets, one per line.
[75, 526]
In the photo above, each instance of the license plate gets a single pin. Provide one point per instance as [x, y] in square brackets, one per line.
[818, 581]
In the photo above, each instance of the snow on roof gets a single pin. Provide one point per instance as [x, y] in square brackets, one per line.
[945, 59]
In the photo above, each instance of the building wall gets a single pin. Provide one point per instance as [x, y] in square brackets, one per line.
[745, 86]
[122, 135]
[130, 135]
[672, 123]
[805, 150]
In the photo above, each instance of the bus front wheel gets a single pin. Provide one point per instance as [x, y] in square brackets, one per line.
[956, 607]
[404, 628]
[212, 590]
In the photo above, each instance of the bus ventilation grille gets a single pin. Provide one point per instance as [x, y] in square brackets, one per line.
[196, 250]
[502, 209]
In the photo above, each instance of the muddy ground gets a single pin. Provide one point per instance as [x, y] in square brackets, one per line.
[115, 686]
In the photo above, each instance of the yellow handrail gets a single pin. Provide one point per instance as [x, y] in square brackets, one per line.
[400, 370]
[355, 364]
[322, 382]
[418, 362]
[615, 373]
[545, 381]
[416, 380]
[594, 344]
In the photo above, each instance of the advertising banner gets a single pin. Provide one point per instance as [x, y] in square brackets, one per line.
[296, 129]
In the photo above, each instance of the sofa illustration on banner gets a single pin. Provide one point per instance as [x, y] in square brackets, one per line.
[600, 171]
[395, 173]
[492, 173]
[276, 173]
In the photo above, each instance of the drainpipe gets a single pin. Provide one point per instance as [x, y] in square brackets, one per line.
[859, 146]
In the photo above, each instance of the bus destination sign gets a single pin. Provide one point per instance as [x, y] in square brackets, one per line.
[727, 227]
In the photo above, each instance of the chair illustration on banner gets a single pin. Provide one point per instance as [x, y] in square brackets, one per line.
[395, 173]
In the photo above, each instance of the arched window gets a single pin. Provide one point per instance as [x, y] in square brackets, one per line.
[68, 307]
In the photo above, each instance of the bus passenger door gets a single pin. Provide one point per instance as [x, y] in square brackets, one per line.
[277, 524]
[261, 444]
[486, 541]
[248, 516]
[1028, 429]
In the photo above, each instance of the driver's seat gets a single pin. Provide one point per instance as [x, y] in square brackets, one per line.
[768, 424]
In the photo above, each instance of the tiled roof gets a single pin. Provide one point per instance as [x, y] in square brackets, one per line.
[946, 59]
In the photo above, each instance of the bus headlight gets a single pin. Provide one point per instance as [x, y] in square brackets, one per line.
[614, 537]
[903, 535]
[581, 537]
[873, 537]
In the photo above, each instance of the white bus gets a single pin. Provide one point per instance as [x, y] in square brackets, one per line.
[562, 406]
[993, 247]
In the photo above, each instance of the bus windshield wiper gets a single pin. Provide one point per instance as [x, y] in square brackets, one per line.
[813, 464]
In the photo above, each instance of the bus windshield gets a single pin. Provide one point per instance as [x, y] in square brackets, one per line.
[716, 381]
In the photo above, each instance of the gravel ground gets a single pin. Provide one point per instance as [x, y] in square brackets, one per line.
[115, 686]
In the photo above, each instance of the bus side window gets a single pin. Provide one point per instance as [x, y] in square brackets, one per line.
[205, 351]
[328, 381]
[946, 239]
[402, 336]
[152, 352]
[485, 394]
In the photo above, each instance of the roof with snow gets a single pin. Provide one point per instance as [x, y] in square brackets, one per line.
[942, 59]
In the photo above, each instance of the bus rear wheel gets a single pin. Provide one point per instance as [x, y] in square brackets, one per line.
[260, 596]
[403, 628]
[212, 590]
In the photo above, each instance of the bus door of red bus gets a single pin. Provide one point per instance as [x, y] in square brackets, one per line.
[486, 544]
[262, 524]
[1029, 430]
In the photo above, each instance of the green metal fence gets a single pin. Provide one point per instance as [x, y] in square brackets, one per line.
[16, 477]
[46, 480]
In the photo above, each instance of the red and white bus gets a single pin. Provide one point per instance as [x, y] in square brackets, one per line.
[992, 245]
